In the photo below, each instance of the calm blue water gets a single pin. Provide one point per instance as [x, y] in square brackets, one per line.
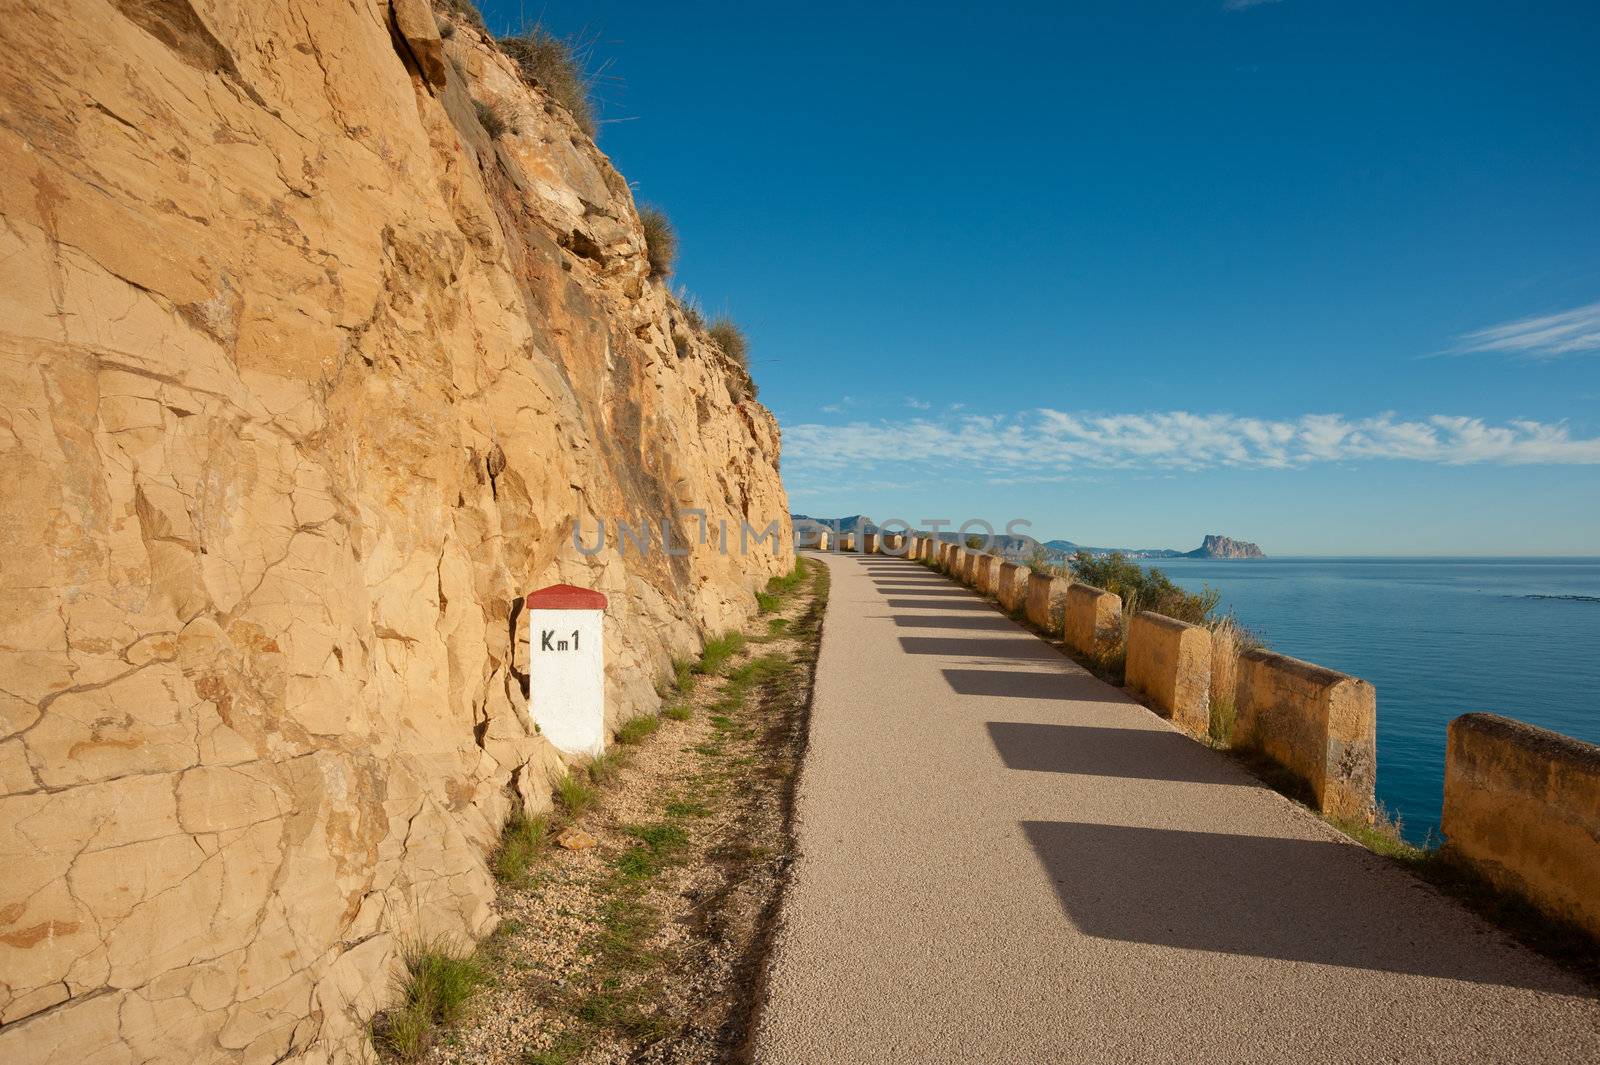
[1438, 637]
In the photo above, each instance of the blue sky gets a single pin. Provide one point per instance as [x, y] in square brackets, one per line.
[1323, 275]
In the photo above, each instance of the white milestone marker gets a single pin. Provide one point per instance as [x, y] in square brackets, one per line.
[567, 667]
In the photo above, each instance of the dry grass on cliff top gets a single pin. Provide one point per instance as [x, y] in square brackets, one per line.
[557, 66]
[648, 946]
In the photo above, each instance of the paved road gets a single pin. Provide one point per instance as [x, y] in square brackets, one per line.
[1005, 860]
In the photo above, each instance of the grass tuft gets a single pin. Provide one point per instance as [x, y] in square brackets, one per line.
[440, 980]
[678, 712]
[766, 602]
[726, 335]
[788, 582]
[683, 674]
[489, 117]
[574, 794]
[1385, 836]
[657, 844]
[521, 842]
[660, 241]
[555, 65]
[717, 651]
[604, 769]
[638, 729]
[689, 304]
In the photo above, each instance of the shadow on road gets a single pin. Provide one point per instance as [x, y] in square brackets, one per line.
[992, 622]
[1291, 899]
[1096, 751]
[1023, 647]
[939, 602]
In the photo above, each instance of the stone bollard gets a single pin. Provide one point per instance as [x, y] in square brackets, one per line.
[1320, 725]
[986, 574]
[567, 667]
[894, 544]
[1012, 587]
[869, 543]
[1047, 601]
[1169, 663]
[1522, 808]
[969, 569]
[956, 561]
[822, 540]
[847, 542]
[1094, 620]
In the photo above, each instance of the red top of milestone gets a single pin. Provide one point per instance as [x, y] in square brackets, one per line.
[565, 597]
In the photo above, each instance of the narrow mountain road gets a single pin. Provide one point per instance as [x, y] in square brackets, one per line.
[1005, 860]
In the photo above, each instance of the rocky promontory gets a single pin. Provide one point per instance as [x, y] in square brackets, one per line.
[1215, 546]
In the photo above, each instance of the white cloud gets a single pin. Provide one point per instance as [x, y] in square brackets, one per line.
[917, 404]
[1240, 5]
[1552, 336]
[1041, 444]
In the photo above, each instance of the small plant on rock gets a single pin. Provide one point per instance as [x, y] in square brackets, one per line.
[490, 119]
[660, 241]
[726, 335]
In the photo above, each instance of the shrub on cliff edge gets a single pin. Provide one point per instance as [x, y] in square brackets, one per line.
[660, 241]
[555, 66]
[726, 334]
[1154, 590]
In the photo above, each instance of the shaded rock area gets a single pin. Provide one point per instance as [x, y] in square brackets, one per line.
[304, 379]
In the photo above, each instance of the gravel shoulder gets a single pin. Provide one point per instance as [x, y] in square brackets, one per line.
[649, 944]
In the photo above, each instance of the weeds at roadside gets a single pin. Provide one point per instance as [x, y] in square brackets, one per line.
[717, 651]
[604, 769]
[522, 841]
[638, 729]
[440, 979]
[574, 794]
[618, 994]
[683, 674]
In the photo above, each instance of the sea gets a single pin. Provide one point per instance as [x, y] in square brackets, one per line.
[1438, 637]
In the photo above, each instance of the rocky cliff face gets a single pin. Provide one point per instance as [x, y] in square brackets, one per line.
[1214, 546]
[305, 379]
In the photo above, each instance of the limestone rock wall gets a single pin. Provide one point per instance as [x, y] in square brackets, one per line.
[303, 380]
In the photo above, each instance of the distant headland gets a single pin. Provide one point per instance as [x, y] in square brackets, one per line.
[1213, 546]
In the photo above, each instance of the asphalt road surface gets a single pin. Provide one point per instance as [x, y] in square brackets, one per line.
[1003, 859]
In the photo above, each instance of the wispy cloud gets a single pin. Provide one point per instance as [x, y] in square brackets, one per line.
[1240, 5]
[917, 404]
[1042, 443]
[1552, 336]
[838, 408]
